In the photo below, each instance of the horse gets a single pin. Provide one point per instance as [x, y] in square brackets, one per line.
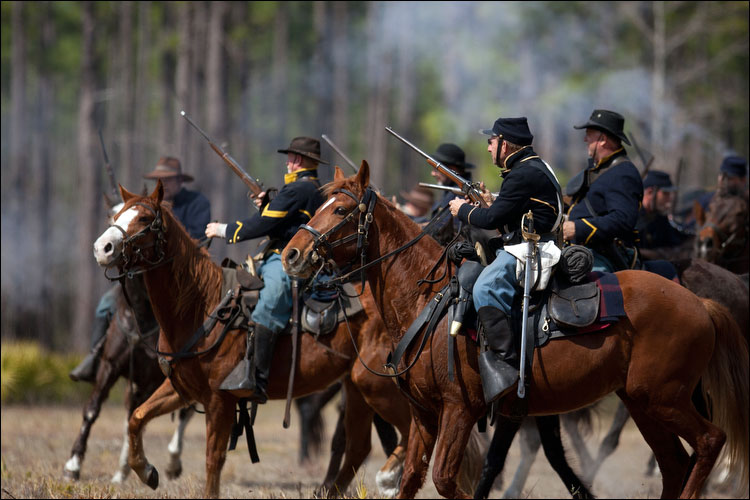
[628, 357]
[184, 285]
[127, 354]
[723, 233]
[700, 277]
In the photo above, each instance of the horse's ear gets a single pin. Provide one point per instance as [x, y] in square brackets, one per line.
[363, 176]
[125, 194]
[338, 174]
[699, 213]
[158, 193]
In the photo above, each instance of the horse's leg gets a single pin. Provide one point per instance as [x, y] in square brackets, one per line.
[338, 445]
[106, 376]
[219, 421]
[670, 454]
[571, 422]
[386, 433]
[123, 469]
[422, 433]
[505, 431]
[358, 425]
[310, 410]
[453, 436]
[164, 400]
[174, 469]
[610, 441]
[549, 431]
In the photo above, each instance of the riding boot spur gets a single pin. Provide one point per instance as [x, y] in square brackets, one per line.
[242, 376]
[265, 341]
[86, 369]
[498, 366]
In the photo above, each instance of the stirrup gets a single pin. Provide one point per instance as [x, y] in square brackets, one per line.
[240, 378]
[86, 369]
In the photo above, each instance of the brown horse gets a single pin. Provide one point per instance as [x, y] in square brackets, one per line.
[184, 285]
[652, 358]
[723, 233]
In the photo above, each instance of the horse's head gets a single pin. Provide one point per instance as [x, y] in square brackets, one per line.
[337, 234]
[136, 234]
[723, 229]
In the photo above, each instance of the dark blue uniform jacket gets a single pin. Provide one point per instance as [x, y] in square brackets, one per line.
[295, 204]
[525, 187]
[615, 197]
[193, 210]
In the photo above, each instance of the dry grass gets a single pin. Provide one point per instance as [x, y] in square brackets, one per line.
[36, 442]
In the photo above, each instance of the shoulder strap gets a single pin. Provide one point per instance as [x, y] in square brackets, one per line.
[547, 170]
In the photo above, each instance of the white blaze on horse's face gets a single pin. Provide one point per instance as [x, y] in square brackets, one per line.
[323, 207]
[113, 211]
[107, 246]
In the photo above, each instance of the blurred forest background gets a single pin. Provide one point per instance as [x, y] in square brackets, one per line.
[255, 74]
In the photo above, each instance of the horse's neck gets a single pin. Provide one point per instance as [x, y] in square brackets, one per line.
[184, 290]
[137, 298]
[394, 280]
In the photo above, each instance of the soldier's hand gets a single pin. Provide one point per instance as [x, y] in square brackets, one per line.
[258, 200]
[569, 230]
[455, 205]
[216, 230]
[486, 194]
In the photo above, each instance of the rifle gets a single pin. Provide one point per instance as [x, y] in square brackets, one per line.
[255, 186]
[452, 189]
[340, 153]
[467, 188]
[108, 166]
[646, 163]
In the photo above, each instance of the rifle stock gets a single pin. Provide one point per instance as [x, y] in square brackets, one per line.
[467, 188]
[255, 186]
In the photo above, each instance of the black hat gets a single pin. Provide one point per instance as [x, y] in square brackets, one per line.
[658, 179]
[305, 146]
[452, 156]
[607, 121]
[515, 130]
[734, 166]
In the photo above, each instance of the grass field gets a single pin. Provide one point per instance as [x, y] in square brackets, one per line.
[36, 442]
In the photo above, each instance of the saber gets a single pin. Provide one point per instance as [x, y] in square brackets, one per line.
[532, 238]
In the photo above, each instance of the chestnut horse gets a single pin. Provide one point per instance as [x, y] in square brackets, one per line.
[652, 358]
[184, 286]
[723, 233]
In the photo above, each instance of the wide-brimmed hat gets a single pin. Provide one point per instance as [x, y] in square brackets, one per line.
[419, 196]
[607, 121]
[305, 146]
[658, 179]
[515, 130]
[168, 166]
[452, 155]
[734, 166]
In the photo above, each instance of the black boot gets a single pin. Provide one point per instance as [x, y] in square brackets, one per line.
[86, 369]
[243, 375]
[498, 365]
[265, 341]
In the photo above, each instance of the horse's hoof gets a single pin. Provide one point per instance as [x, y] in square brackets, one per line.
[153, 478]
[174, 472]
[71, 475]
[118, 478]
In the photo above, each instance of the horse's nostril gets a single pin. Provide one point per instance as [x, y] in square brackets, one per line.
[292, 256]
[108, 248]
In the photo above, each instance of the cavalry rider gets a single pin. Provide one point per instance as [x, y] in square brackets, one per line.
[279, 219]
[528, 184]
[606, 196]
[454, 158]
[732, 180]
[191, 208]
[418, 204]
[655, 230]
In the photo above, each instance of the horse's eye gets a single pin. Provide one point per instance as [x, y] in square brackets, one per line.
[144, 219]
[340, 211]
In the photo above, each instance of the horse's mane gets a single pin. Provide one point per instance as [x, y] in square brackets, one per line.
[196, 274]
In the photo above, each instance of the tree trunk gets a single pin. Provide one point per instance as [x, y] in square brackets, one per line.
[340, 83]
[89, 193]
[142, 153]
[126, 168]
[183, 79]
[379, 67]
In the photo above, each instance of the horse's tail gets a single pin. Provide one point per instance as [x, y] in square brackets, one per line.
[726, 382]
[471, 465]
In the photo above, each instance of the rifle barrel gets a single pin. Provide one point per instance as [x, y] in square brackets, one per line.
[340, 153]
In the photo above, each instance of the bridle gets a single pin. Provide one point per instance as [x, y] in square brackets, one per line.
[131, 255]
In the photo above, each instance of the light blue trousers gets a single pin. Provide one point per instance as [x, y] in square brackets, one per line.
[274, 306]
[497, 284]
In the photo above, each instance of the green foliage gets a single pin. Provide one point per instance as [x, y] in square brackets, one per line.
[31, 374]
